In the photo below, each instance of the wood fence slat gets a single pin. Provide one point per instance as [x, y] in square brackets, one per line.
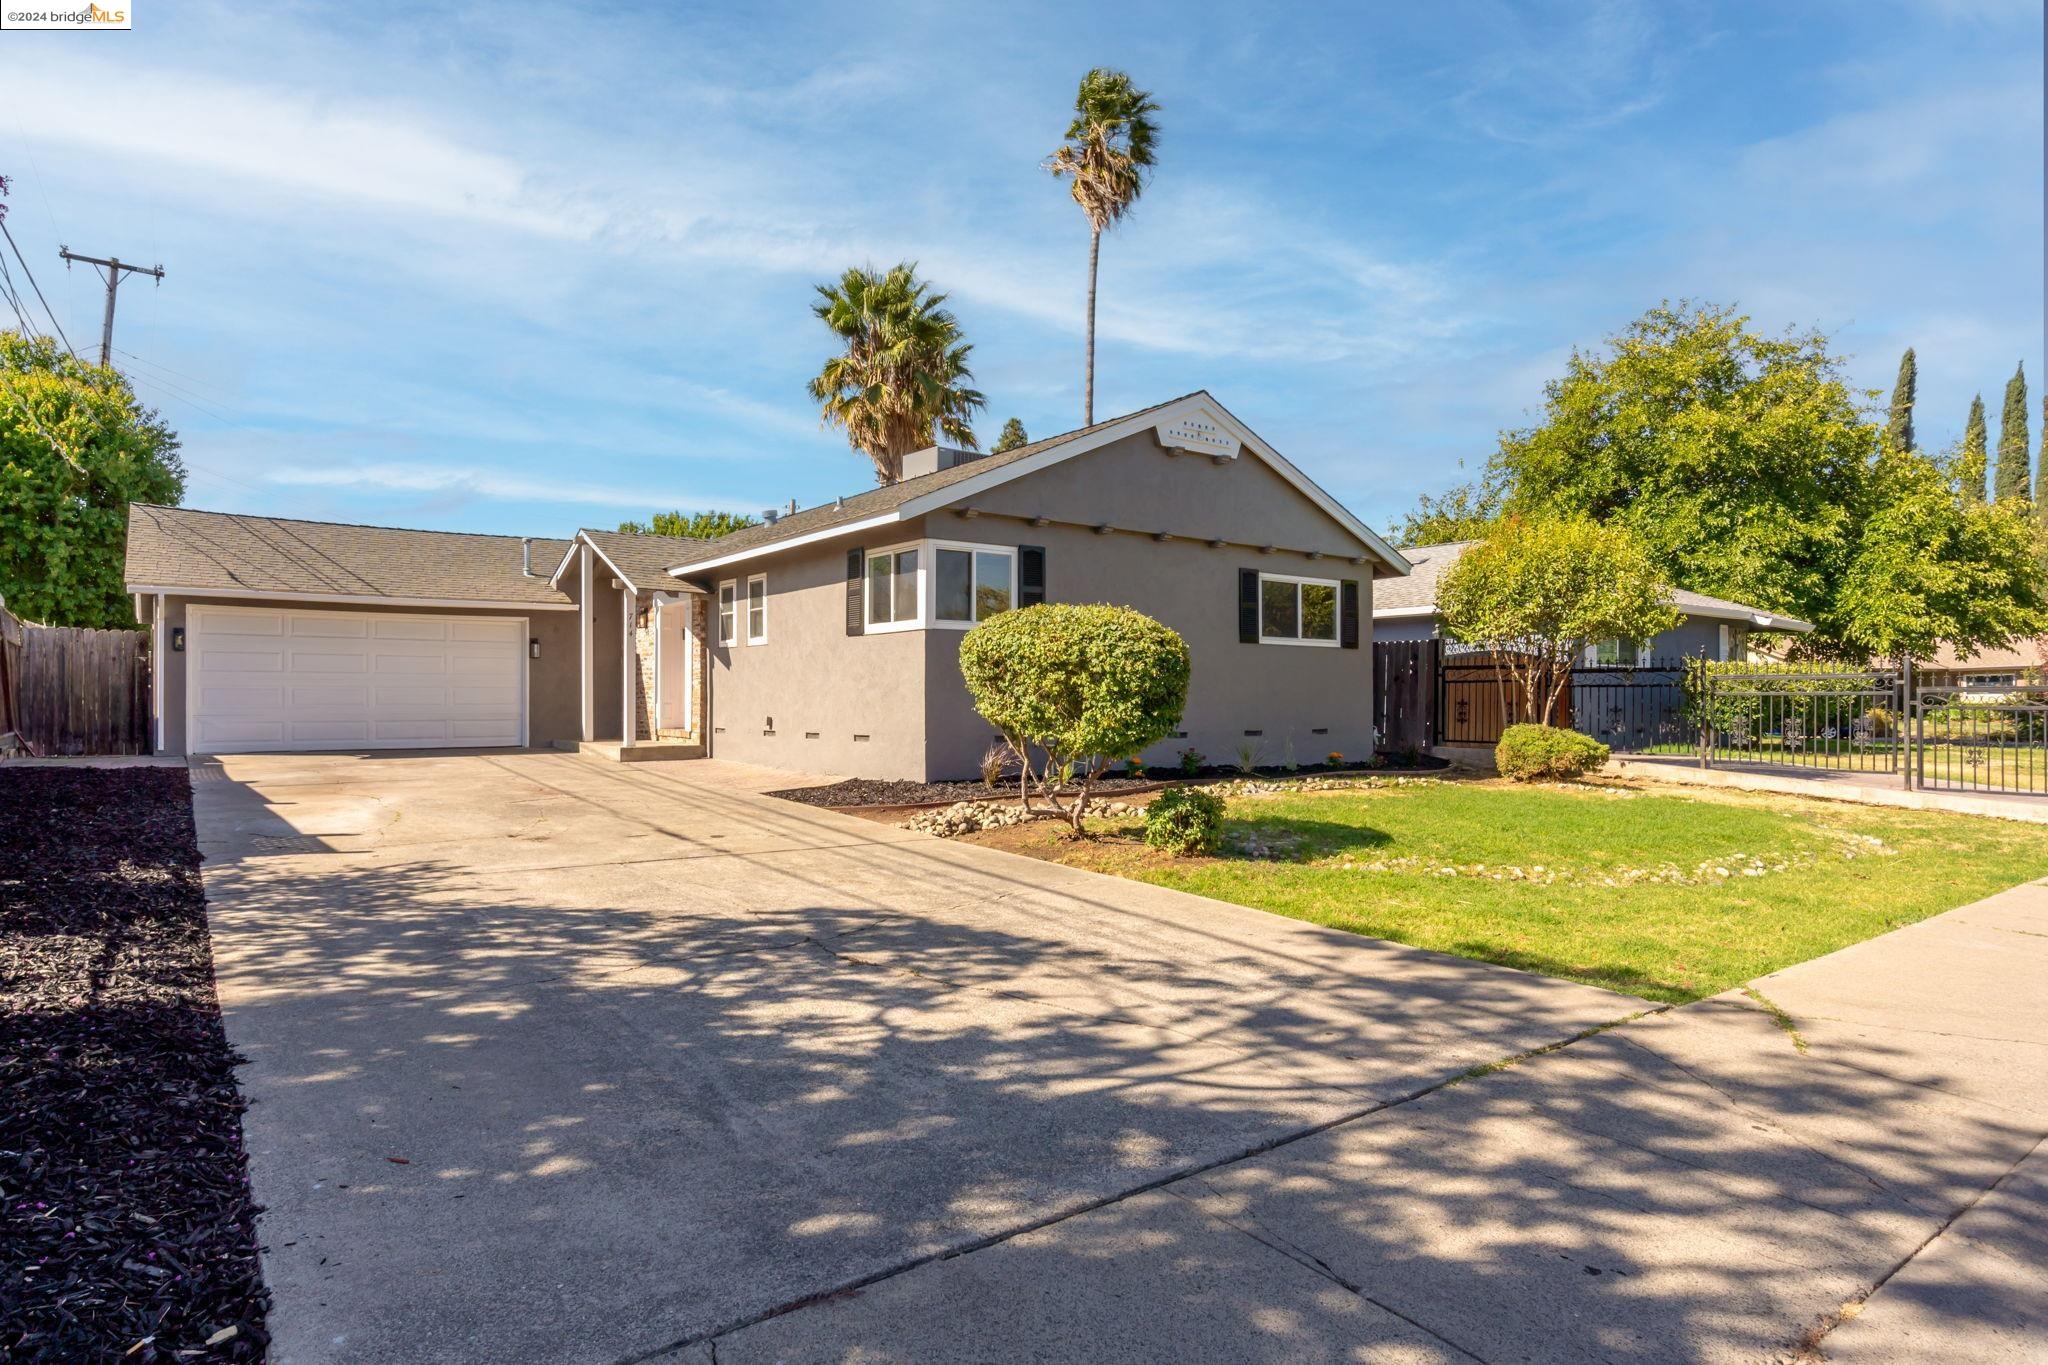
[74, 690]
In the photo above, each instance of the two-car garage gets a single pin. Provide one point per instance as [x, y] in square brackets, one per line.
[277, 678]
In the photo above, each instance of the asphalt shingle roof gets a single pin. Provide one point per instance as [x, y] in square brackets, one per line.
[183, 547]
[1418, 589]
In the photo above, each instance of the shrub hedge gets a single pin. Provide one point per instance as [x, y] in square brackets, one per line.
[1538, 753]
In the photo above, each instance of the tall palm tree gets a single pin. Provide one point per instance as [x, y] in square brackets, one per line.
[1106, 155]
[902, 379]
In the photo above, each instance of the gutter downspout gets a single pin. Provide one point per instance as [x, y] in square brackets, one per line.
[629, 669]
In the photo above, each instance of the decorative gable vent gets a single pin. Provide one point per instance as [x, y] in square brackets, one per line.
[1200, 432]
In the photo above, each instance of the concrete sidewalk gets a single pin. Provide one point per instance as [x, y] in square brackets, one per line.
[1714, 1183]
[1864, 789]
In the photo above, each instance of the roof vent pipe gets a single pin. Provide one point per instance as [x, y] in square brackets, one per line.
[526, 556]
[771, 515]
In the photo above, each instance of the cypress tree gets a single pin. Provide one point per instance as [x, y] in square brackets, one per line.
[1012, 436]
[1975, 462]
[2014, 447]
[1900, 429]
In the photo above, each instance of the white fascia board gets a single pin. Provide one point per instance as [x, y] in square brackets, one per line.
[346, 598]
[1751, 616]
[1146, 421]
[1395, 613]
[777, 546]
[555, 578]
[599, 552]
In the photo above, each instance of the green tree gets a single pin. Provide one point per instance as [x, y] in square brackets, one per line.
[1899, 430]
[1011, 436]
[2015, 476]
[1931, 567]
[1973, 463]
[1466, 512]
[1087, 685]
[689, 525]
[1538, 590]
[75, 449]
[901, 377]
[1733, 456]
[1107, 154]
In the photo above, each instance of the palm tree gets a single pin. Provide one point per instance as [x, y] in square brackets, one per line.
[1107, 153]
[901, 381]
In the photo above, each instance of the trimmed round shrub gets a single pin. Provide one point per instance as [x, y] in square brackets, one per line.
[1185, 820]
[1539, 753]
[1084, 683]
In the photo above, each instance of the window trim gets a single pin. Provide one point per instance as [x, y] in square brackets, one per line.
[728, 595]
[1591, 659]
[867, 582]
[971, 548]
[752, 579]
[1336, 587]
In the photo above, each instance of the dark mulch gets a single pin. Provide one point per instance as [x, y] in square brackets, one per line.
[862, 791]
[126, 1226]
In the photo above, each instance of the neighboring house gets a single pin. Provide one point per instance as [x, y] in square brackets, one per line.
[2022, 663]
[1708, 627]
[825, 641]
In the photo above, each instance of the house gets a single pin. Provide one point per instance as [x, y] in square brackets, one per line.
[1708, 627]
[2019, 664]
[824, 641]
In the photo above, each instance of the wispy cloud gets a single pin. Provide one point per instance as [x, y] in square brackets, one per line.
[486, 483]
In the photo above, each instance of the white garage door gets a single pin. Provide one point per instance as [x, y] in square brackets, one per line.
[283, 679]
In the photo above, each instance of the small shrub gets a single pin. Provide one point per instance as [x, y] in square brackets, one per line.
[1248, 759]
[1134, 769]
[1191, 761]
[1536, 753]
[1185, 820]
[1333, 759]
[994, 763]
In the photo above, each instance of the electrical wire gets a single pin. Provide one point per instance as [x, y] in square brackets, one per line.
[59, 327]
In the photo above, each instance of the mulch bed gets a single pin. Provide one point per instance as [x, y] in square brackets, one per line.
[127, 1231]
[862, 791]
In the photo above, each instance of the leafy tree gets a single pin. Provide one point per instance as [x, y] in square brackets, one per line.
[689, 525]
[1108, 151]
[2014, 446]
[1011, 436]
[75, 449]
[1735, 457]
[902, 373]
[1539, 590]
[1930, 567]
[1899, 431]
[1973, 463]
[1087, 685]
[1466, 512]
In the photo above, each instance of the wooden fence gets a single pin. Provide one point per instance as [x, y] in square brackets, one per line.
[1404, 695]
[66, 690]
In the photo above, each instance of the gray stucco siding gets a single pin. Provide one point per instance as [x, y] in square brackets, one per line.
[1286, 692]
[848, 705]
[1693, 637]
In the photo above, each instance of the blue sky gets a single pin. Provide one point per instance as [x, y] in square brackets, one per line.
[521, 268]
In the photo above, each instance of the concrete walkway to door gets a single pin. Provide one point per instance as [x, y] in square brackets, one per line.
[555, 1059]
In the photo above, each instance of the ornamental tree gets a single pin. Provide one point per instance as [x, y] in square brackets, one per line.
[1537, 591]
[1087, 686]
[75, 449]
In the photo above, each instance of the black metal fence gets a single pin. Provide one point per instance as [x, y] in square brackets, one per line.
[1833, 720]
[1981, 738]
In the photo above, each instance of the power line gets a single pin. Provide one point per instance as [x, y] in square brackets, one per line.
[114, 269]
[206, 387]
[38, 288]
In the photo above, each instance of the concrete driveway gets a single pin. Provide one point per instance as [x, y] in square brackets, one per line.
[552, 1059]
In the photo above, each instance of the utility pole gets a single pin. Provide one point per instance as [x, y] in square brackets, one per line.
[110, 268]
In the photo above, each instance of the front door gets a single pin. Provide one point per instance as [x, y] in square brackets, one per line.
[672, 664]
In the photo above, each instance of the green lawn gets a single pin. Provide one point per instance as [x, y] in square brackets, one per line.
[1664, 895]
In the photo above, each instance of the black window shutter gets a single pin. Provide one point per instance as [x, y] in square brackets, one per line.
[856, 572]
[1248, 606]
[1348, 614]
[1030, 575]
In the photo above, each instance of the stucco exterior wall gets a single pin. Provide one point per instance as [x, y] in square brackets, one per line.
[1693, 637]
[552, 687]
[1306, 700]
[844, 704]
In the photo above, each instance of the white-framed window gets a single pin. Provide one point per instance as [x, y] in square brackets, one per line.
[728, 612]
[895, 588]
[971, 583]
[1613, 652]
[1298, 611]
[757, 609]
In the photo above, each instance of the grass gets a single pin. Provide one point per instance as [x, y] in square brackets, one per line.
[1665, 895]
